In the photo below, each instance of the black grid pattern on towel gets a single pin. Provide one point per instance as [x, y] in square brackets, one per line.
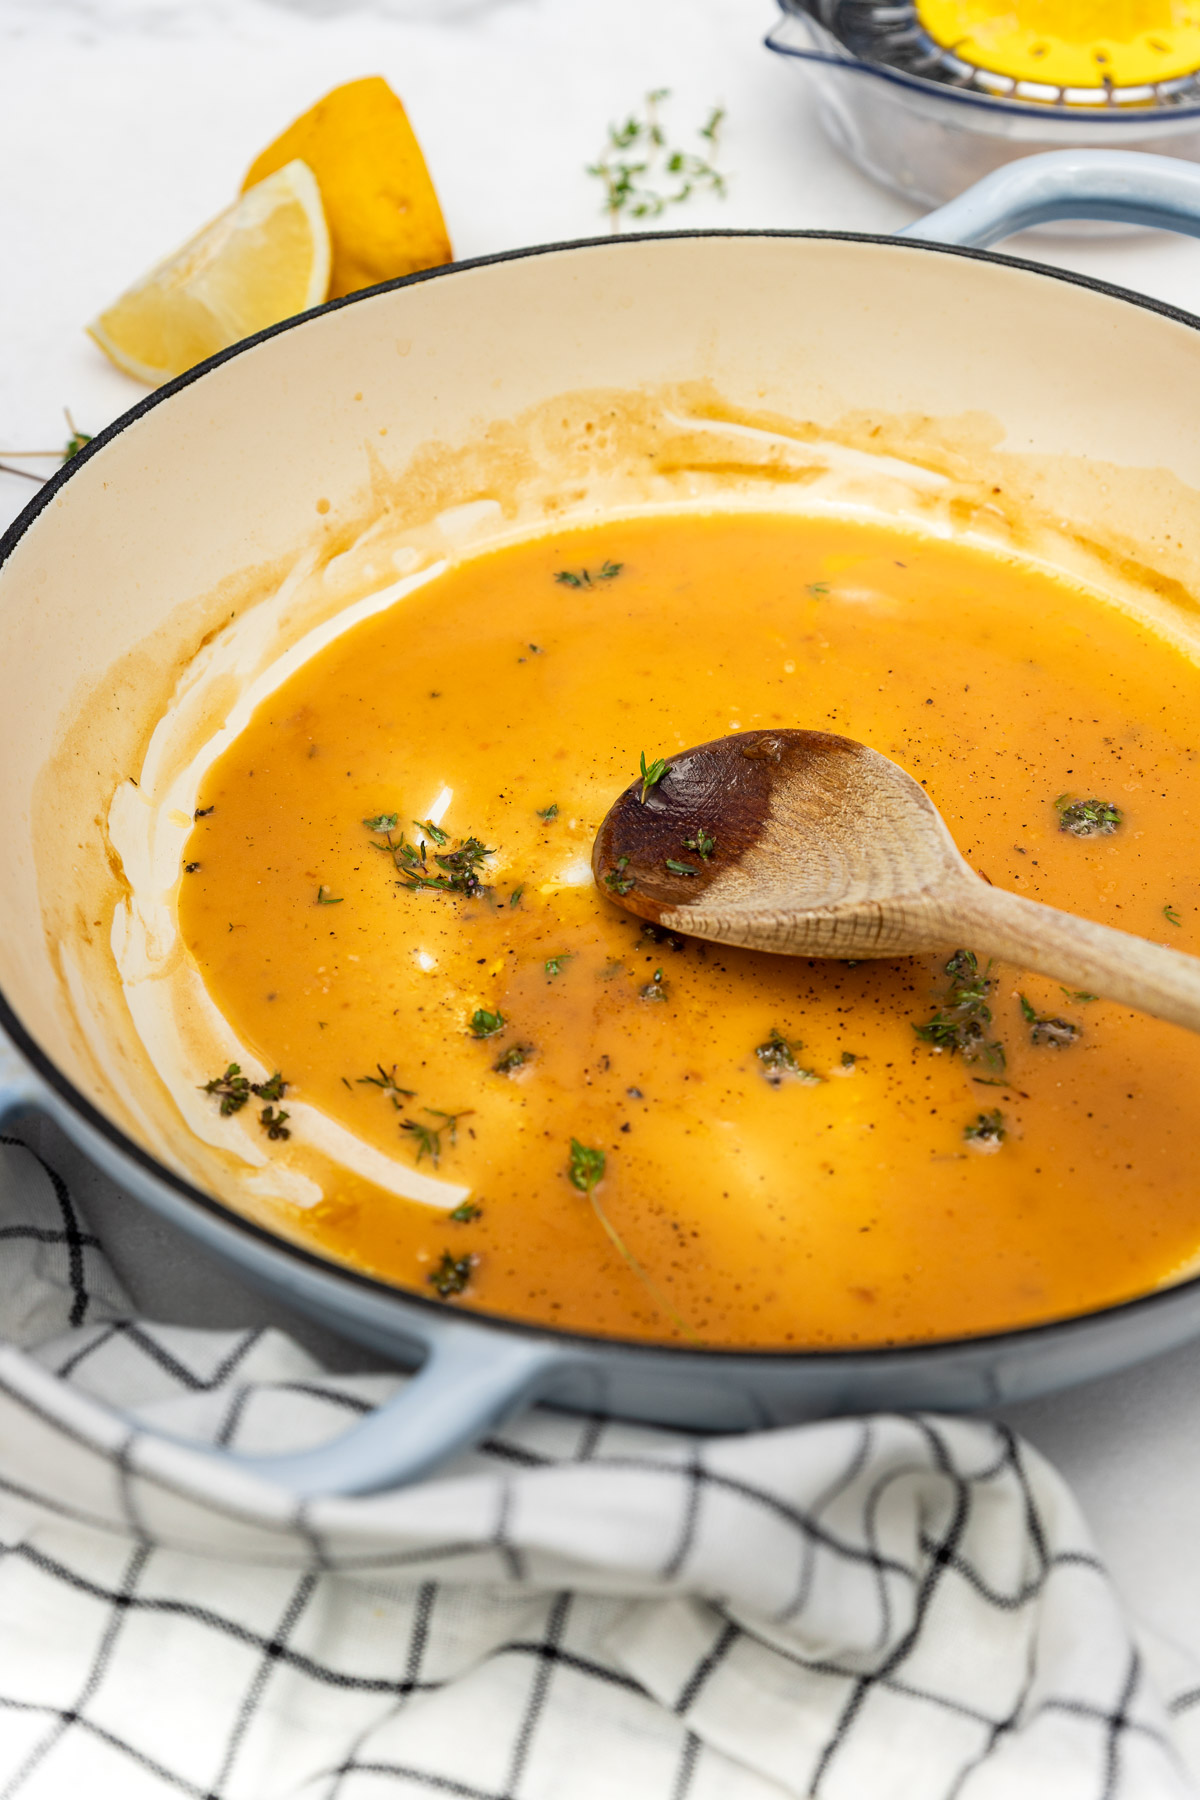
[550, 1696]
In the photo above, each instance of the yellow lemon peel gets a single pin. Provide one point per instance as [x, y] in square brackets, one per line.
[383, 212]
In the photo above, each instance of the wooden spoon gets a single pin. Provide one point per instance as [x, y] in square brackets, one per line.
[812, 845]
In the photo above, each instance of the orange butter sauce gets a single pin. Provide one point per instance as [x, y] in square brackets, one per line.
[847, 1211]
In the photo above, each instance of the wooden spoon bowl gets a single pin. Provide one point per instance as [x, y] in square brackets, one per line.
[808, 844]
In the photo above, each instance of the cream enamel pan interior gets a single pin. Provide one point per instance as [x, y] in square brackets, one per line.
[978, 393]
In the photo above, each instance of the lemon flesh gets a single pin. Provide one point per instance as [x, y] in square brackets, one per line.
[263, 260]
[1070, 43]
[383, 212]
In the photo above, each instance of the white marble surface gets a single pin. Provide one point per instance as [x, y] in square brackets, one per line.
[124, 124]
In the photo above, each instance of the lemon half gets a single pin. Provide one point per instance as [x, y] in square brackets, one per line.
[1070, 43]
[263, 260]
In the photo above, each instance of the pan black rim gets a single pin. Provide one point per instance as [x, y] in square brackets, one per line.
[236, 1225]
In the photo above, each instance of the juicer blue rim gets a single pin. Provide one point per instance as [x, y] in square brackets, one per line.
[845, 61]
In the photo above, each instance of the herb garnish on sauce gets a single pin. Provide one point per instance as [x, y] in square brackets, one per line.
[428, 1138]
[961, 1022]
[1047, 1030]
[1087, 818]
[451, 1275]
[987, 1132]
[456, 870]
[582, 578]
[486, 1024]
[651, 774]
[778, 1059]
[233, 1090]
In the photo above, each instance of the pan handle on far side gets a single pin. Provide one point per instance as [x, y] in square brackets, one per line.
[1126, 187]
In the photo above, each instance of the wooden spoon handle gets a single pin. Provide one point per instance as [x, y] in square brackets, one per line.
[1165, 983]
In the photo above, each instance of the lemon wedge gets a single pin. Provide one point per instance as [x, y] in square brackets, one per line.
[263, 260]
[383, 212]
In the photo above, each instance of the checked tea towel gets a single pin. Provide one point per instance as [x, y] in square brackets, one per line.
[894, 1608]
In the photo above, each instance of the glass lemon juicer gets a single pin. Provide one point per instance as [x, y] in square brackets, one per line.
[927, 96]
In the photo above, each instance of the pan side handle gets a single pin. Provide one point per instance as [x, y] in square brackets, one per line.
[1127, 187]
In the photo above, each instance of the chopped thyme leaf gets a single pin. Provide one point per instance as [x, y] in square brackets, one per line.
[778, 1059]
[387, 1084]
[204, 812]
[434, 831]
[1087, 818]
[464, 1214]
[486, 1024]
[987, 1132]
[586, 1167]
[233, 1089]
[451, 1275]
[849, 1059]
[514, 898]
[272, 1122]
[658, 934]
[582, 578]
[451, 1124]
[428, 1138]
[548, 812]
[1077, 994]
[190, 868]
[1056, 1032]
[1171, 916]
[382, 822]
[701, 843]
[617, 880]
[817, 587]
[651, 775]
[680, 868]
[960, 1023]
[1043, 1030]
[513, 1059]
[325, 898]
[654, 989]
[556, 964]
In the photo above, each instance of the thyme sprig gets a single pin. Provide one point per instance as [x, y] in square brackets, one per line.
[642, 175]
[453, 872]
[74, 444]
[651, 773]
[585, 1171]
[428, 1138]
[386, 1082]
